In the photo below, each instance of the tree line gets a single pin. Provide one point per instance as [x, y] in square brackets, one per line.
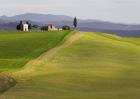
[30, 26]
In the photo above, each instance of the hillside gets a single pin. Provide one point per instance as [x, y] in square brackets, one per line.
[86, 66]
[17, 48]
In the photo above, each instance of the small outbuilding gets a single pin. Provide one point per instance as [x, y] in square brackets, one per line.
[50, 27]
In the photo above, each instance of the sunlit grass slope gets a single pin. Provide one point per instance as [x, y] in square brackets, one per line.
[17, 48]
[95, 66]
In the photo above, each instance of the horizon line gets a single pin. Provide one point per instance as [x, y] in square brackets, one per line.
[100, 20]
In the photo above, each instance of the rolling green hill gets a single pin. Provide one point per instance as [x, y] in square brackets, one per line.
[85, 66]
[17, 48]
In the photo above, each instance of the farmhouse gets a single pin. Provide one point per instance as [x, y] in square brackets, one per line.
[50, 27]
[23, 26]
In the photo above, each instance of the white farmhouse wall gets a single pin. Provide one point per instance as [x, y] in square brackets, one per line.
[52, 28]
[25, 27]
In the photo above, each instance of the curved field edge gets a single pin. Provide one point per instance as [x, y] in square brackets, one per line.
[6, 79]
[17, 48]
[92, 66]
[31, 68]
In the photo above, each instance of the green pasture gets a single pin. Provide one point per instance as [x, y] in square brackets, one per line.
[86, 66]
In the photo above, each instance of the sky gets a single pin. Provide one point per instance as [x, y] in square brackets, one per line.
[120, 11]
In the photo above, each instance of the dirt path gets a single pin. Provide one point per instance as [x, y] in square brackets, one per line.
[33, 65]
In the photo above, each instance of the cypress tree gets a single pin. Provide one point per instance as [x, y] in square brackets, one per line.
[29, 24]
[75, 22]
[19, 26]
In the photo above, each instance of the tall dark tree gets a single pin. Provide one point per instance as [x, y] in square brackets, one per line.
[75, 22]
[29, 25]
[19, 26]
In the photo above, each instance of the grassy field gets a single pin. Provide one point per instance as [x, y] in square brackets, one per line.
[86, 66]
[17, 48]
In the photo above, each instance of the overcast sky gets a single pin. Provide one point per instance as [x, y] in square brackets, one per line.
[124, 11]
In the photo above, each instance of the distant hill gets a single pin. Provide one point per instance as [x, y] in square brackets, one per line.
[9, 23]
[41, 18]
